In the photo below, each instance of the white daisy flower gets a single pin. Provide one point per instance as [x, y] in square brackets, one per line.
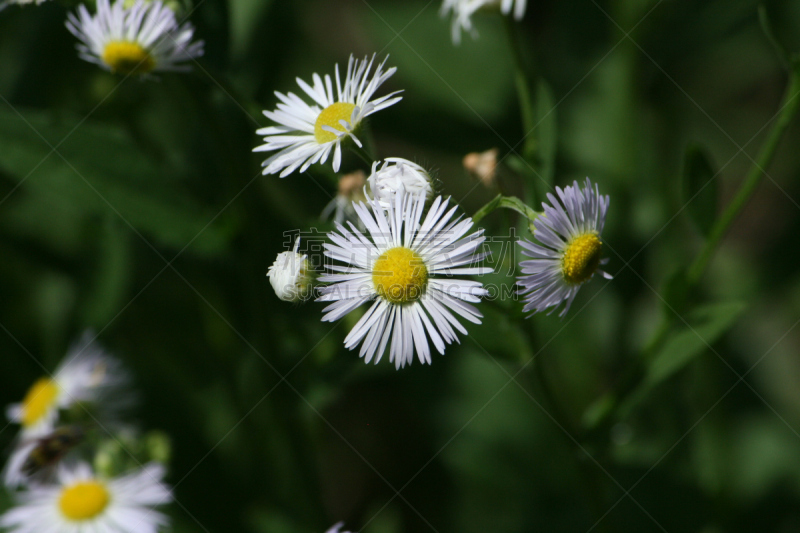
[291, 275]
[462, 11]
[306, 134]
[351, 189]
[87, 374]
[569, 255]
[81, 502]
[401, 269]
[136, 40]
[396, 175]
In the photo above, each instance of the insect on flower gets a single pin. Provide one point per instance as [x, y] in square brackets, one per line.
[50, 449]
[36, 458]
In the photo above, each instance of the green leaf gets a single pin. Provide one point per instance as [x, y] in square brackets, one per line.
[676, 291]
[107, 280]
[699, 189]
[246, 19]
[96, 171]
[706, 325]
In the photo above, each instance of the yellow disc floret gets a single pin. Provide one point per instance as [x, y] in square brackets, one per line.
[331, 116]
[83, 500]
[400, 275]
[581, 258]
[125, 57]
[38, 401]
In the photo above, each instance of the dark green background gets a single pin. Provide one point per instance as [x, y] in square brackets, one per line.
[136, 207]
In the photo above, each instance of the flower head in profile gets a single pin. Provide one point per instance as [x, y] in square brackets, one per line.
[336, 527]
[570, 250]
[351, 189]
[82, 501]
[405, 269]
[462, 11]
[5, 3]
[305, 133]
[136, 40]
[87, 375]
[291, 275]
[396, 175]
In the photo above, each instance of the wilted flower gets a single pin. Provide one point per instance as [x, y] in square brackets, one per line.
[351, 189]
[482, 166]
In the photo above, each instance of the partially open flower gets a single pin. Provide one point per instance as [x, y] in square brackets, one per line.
[396, 175]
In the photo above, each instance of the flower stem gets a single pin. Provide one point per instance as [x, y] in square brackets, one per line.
[508, 202]
[522, 82]
[789, 107]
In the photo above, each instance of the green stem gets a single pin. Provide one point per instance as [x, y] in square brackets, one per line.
[789, 107]
[363, 155]
[507, 202]
[523, 86]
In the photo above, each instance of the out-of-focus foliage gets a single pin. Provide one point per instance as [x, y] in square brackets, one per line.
[137, 208]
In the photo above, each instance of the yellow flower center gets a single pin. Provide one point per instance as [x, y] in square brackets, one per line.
[331, 116]
[38, 401]
[125, 57]
[83, 500]
[581, 258]
[400, 275]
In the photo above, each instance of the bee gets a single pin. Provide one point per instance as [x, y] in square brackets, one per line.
[50, 449]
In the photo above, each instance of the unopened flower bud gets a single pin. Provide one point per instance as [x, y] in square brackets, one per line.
[291, 275]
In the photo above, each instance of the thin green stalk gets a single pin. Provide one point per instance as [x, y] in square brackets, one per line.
[362, 154]
[592, 486]
[507, 202]
[523, 86]
[789, 107]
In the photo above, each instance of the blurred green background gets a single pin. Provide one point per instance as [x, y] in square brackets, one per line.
[137, 208]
